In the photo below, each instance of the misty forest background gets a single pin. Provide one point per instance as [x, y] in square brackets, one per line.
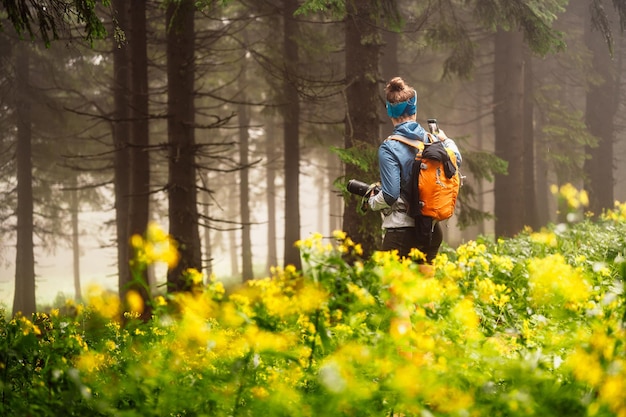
[236, 124]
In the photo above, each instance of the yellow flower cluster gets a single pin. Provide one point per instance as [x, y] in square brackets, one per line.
[261, 340]
[571, 195]
[348, 368]
[446, 269]
[503, 344]
[618, 214]
[157, 246]
[90, 361]
[286, 294]
[596, 363]
[194, 277]
[465, 314]
[216, 288]
[469, 250]
[544, 237]
[409, 288]
[346, 244]
[416, 330]
[502, 263]
[27, 326]
[105, 303]
[135, 302]
[471, 257]
[361, 294]
[314, 246]
[314, 243]
[491, 293]
[553, 282]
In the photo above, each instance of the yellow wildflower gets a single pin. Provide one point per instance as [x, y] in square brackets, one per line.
[105, 303]
[339, 234]
[134, 301]
[586, 367]
[449, 400]
[28, 327]
[504, 263]
[361, 293]
[136, 241]
[571, 196]
[618, 214]
[612, 393]
[90, 361]
[194, 276]
[110, 345]
[464, 313]
[259, 392]
[544, 237]
[160, 301]
[552, 281]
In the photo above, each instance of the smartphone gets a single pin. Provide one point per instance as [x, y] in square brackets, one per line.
[432, 126]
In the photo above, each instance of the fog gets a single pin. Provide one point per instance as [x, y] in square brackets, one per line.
[54, 273]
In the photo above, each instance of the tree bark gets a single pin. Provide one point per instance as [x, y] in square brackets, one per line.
[481, 85]
[233, 243]
[602, 101]
[121, 137]
[208, 243]
[139, 193]
[291, 134]
[24, 299]
[530, 194]
[508, 120]
[74, 209]
[335, 211]
[362, 122]
[390, 67]
[244, 183]
[182, 195]
[270, 178]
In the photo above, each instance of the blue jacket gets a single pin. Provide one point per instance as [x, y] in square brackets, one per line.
[395, 161]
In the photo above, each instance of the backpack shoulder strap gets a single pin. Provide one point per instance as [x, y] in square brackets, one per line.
[416, 145]
[431, 138]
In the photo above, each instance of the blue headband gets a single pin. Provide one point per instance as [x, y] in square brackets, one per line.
[408, 107]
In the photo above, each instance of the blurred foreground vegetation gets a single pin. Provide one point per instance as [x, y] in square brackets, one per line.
[532, 325]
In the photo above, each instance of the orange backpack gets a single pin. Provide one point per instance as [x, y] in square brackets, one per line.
[436, 173]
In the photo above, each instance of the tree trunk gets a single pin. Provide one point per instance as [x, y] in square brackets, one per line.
[271, 156]
[139, 193]
[542, 184]
[233, 246]
[24, 300]
[601, 105]
[362, 122]
[321, 182]
[291, 122]
[508, 120]
[208, 244]
[530, 195]
[121, 137]
[74, 209]
[335, 212]
[481, 85]
[183, 209]
[390, 67]
[244, 183]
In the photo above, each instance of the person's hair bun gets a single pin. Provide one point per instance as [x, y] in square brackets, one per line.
[396, 84]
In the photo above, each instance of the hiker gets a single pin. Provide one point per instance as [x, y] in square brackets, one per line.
[395, 161]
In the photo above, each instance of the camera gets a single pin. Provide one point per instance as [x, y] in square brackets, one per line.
[362, 189]
[432, 126]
